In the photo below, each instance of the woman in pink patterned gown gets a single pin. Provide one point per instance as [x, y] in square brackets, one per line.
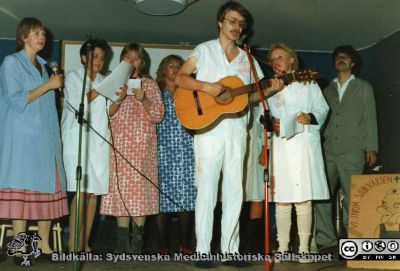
[134, 192]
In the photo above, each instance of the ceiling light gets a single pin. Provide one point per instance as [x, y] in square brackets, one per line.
[160, 7]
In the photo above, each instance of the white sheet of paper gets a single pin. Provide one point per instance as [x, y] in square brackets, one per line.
[291, 127]
[118, 78]
[134, 83]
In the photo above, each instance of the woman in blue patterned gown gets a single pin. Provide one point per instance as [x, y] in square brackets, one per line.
[175, 163]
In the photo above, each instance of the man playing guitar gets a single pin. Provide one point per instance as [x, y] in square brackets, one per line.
[222, 146]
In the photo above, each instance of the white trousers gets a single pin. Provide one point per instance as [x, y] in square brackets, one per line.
[213, 153]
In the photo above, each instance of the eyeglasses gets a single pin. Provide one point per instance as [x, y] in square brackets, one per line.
[342, 57]
[242, 24]
[174, 65]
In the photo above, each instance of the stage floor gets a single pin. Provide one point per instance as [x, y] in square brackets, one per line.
[178, 266]
[103, 240]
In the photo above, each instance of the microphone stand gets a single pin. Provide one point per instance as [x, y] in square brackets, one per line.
[79, 167]
[266, 125]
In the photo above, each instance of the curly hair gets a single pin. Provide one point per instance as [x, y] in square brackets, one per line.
[352, 53]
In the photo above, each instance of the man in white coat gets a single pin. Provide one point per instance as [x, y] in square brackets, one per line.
[223, 146]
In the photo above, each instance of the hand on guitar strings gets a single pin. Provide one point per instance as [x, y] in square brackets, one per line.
[214, 89]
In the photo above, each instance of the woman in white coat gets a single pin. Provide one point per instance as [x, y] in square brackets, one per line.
[298, 112]
[95, 151]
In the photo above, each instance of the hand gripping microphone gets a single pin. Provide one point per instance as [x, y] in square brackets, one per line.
[53, 65]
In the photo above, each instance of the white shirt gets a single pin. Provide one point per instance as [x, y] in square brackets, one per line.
[342, 89]
[212, 65]
[220, 147]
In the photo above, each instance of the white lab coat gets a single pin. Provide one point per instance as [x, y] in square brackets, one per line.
[297, 162]
[254, 181]
[95, 151]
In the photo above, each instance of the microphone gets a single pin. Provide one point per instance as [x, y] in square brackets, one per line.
[53, 65]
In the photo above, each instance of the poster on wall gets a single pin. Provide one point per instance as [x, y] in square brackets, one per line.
[374, 212]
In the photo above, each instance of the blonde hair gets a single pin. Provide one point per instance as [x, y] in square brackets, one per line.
[288, 50]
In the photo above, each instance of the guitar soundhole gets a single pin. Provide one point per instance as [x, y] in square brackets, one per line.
[224, 97]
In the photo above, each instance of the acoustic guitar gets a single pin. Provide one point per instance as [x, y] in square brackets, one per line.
[198, 109]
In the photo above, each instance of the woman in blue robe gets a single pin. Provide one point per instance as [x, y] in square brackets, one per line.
[32, 177]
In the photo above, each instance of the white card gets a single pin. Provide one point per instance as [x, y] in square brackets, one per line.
[133, 83]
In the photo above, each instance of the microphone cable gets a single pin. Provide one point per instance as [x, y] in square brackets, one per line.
[116, 151]
[116, 173]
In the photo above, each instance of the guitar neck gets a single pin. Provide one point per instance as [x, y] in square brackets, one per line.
[264, 83]
[301, 76]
